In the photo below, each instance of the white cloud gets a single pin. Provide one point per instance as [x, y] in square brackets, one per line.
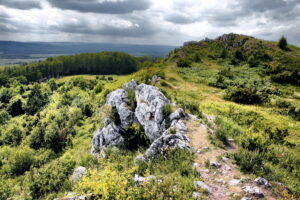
[155, 22]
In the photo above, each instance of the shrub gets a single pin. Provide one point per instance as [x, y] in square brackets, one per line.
[167, 110]
[51, 178]
[182, 63]
[4, 116]
[12, 134]
[252, 61]
[250, 161]
[131, 98]
[17, 162]
[243, 95]
[136, 137]
[98, 88]
[16, 106]
[36, 100]
[52, 84]
[282, 43]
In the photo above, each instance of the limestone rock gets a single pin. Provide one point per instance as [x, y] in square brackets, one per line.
[262, 181]
[130, 85]
[215, 164]
[202, 185]
[253, 190]
[119, 100]
[149, 110]
[166, 142]
[140, 179]
[78, 173]
[108, 136]
[178, 114]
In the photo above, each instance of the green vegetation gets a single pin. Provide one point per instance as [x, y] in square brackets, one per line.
[252, 86]
[282, 43]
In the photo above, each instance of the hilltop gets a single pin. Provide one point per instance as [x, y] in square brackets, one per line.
[230, 104]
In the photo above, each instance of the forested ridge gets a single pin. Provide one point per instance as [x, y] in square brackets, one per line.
[86, 63]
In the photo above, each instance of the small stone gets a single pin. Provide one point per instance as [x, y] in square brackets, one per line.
[262, 181]
[196, 195]
[221, 181]
[215, 164]
[246, 198]
[202, 185]
[225, 159]
[78, 173]
[140, 179]
[253, 190]
[234, 182]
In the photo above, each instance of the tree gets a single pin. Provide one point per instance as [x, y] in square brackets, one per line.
[282, 43]
[36, 100]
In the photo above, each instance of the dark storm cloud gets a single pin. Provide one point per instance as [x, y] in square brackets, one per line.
[96, 6]
[130, 27]
[21, 4]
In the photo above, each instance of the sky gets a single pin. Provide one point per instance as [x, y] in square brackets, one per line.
[167, 22]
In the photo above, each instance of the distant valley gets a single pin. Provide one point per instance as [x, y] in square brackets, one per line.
[24, 52]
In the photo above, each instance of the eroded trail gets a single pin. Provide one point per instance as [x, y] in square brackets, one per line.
[224, 178]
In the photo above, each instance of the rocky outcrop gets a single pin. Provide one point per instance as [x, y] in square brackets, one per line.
[163, 130]
[119, 100]
[109, 136]
[78, 173]
[149, 110]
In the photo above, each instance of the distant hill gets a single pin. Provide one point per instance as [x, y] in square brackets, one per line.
[18, 52]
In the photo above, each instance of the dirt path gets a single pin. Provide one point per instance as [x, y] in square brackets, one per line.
[226, 181]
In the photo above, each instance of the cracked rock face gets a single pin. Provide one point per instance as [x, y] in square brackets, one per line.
[119, 100]
[109, 136]
[166, 142]
[149, 114]
[149, 110]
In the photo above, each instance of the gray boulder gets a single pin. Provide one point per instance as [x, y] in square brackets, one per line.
[202, 185]
[178, 114]
[253, 190]
[166, 142]
[119, 100]
[130, 85]
[149, 110]
[109, 136]
[262, 181]
[140, 179]
[78, 173]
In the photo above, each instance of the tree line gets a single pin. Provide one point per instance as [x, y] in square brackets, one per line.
[86, 63]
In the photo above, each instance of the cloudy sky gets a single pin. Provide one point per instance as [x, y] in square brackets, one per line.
[168, 22]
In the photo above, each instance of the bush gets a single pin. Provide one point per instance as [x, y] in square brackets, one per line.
[51, 178]
[183, 63]
[12, 134]
[136, 137]
[36, 100]
[4, 116]
[17, 162]
[250, 161]
[16, 106]
[167, 110]
[131, 99]
[282, 43]
[252, 61]
[98, 88]
[243, 95]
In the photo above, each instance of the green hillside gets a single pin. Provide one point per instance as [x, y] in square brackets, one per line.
[250, 85]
